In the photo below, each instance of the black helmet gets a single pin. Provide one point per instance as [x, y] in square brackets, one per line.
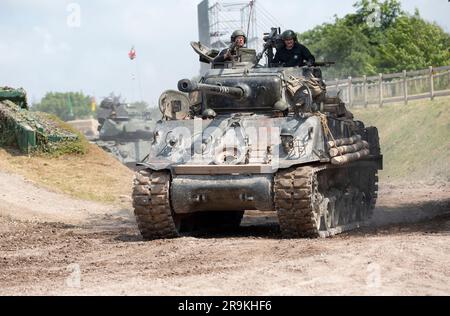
[286, 131]
[209, 114]
[108, 103]
[236, 34]
[289, 34]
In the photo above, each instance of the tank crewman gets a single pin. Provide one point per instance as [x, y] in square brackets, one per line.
[293, 53]
[238, 40]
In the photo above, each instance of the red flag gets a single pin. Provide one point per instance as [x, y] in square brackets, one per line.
[132, 53]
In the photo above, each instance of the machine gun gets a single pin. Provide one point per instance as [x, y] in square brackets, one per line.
[233, 50]
[272, 40]
[323, 63]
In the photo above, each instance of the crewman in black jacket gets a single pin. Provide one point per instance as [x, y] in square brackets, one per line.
[293, 53]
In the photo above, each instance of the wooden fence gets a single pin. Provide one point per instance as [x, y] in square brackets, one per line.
[398, 87]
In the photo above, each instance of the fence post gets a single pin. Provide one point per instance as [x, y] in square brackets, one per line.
[380, 89]
[365, 91]
[405, 87]
[337, 85]
[431, 83]
[350, 92]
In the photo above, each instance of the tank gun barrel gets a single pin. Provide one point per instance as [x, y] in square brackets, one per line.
[187, 85]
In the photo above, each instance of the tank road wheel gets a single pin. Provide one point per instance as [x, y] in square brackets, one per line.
[323, 200]
[373, 190]
[328, 209]
[369, 188]
[294, 203]
[152, 205]
[335, 203]
[360, 206]
[350, 209]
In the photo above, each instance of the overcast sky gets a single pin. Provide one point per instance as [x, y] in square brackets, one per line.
[45, 47]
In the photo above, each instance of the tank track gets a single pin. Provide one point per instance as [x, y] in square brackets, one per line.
[152, 205]
[324, 201]
[293, 203]
[310, 201]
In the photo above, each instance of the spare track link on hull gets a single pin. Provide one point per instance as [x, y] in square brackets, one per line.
[309, 206]
[152, 205]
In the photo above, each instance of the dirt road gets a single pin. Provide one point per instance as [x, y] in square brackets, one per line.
[52, 244]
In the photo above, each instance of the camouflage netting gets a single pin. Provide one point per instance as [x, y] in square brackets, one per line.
[18, 96]
[29, 131]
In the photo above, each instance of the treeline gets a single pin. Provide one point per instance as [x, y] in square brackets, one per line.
[67, 106]
[76, 105]
[378, 38]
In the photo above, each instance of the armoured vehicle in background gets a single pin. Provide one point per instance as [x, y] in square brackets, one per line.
[252, 137]
[124, 131]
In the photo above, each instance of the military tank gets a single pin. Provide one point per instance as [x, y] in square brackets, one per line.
[253, 137]
[124, 131]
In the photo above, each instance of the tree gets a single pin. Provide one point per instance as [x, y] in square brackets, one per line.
[346, 45]
[67, 106]
[370, 41]
[383, 14]
[412, 43]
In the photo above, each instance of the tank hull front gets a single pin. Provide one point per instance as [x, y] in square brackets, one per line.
[199, 193]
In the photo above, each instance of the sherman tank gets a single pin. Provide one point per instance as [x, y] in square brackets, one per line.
[124, 131]
[253, 137]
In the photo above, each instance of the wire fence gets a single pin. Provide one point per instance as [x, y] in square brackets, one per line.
[389, 88]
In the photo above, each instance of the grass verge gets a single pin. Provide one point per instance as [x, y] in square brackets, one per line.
[93, 176]
[415, 138]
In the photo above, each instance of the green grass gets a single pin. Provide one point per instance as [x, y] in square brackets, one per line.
[78, 146]
[415, 139]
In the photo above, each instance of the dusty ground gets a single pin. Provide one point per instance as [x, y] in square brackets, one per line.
[53, 244]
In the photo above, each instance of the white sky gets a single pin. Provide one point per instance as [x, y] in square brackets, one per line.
[41, 52]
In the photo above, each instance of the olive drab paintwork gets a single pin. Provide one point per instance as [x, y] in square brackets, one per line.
[257, 138]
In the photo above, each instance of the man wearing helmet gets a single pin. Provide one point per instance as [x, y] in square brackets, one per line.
[293, 53]
[238, 40]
